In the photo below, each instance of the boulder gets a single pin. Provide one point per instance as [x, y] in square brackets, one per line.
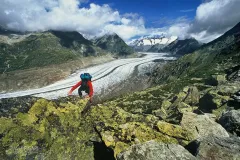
[172, 109]
[215, 80]
[219, 148]
[230, 120]
[202, 125]
[235, 102]
[154, 151]
[213, 101]
[192, 97]
[120, 129]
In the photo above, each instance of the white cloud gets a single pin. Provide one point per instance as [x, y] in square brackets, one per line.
[41, 15]
[212, 19]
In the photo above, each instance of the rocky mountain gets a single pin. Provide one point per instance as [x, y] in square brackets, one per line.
[114, 44]
[43, 49]
[144, 44]
[220, 56]
[178, 47]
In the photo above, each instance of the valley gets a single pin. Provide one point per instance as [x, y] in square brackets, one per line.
[105, 76]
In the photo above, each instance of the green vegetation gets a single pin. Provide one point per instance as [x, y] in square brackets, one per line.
[43, 49]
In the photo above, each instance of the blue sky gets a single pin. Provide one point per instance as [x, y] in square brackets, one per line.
[203, 20]
[155, 12]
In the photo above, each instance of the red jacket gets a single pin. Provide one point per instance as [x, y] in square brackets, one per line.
[89, 83]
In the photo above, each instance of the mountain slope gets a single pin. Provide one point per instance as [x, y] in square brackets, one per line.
[114, 44]
[217, 57]
[179, 47]
[43, 49]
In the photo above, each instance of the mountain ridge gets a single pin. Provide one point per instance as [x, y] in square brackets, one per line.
[114, 44]
[179, 47]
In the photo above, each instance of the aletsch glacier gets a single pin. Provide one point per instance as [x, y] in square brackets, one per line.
[104, 76]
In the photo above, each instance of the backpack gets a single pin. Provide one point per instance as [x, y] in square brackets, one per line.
[85, 77]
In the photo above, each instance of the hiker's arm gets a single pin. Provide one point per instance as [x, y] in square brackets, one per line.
[74, 87]
[90, 89]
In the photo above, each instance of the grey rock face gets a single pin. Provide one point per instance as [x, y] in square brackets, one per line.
[155, 151]
[230, 120]
[202, 125]
[215, 148]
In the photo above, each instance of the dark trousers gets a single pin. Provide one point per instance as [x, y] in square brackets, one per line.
[80, 89]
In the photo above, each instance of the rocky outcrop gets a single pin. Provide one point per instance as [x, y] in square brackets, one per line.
[48, 130]
[120, 129]
[215, 80]
[12, 106]
[213, 101]
[220, 148]
[202, 125]
[233, 73]
[218, 99]
[230, 120]
[154, 151]
[172, 109]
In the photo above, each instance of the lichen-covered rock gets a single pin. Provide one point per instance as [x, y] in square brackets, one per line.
[142, 102]
[215, 80]
[172, 109]
[220, 148]
[202, 125]
[213, 101]
[155, 151]
[47, 131]
[192, 96]
[120, 129]
[11, 106]
[230, 120]
[175, 131]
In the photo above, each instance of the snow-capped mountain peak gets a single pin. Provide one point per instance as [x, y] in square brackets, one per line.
[150, 41]
[145, 43]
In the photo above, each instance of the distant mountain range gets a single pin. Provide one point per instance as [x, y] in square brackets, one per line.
[163, 44]
[144, 44]
[38, 49]
[178, 47]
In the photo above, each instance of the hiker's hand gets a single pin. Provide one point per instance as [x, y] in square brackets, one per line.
[90, 100]
[69, 93]
[87, 96]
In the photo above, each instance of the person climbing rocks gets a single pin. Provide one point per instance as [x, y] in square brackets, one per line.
[85, 85]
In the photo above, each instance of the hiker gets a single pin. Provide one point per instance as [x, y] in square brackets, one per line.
[85, 85]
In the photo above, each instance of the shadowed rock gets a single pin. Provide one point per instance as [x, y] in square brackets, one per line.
[220, 148]
[230, 120]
